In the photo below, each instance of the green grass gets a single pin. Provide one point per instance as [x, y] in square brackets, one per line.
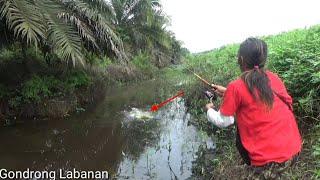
[295, 57]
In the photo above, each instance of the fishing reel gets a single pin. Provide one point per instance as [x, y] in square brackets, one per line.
[210, 95]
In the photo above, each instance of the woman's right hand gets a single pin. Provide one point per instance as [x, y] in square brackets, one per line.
[220, 90]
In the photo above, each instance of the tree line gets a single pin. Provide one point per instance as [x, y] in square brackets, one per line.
[69, 29]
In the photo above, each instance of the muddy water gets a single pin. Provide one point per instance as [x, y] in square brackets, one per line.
[108, 138]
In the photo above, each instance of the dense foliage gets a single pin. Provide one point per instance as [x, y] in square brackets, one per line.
[294, 56]
[64, 28]
[69, 29]
[35, 89]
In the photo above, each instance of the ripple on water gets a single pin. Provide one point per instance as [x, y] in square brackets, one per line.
[172, 154]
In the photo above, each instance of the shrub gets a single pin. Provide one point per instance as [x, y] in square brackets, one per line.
[105, 62]
[7, 54]
[100, 61]
[143, 63]
[39, 87]
[295, 57]
[77, 79]
[10, 53]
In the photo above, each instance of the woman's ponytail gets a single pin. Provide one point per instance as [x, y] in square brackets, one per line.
[252, 58]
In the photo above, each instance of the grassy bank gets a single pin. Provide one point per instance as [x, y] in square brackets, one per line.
[33, 88]
[294, 56]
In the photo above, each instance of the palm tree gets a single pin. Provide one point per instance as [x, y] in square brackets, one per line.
[67, 26]
[141, 23]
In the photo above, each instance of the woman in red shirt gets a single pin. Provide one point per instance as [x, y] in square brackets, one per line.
[262, 107]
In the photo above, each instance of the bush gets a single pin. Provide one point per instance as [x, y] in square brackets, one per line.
[10, 53]
[295, 57]
[100, 61]
[77, 79]
[14, 52]
[48, 86]
[7, 54]
[143, 63]
[39, 87]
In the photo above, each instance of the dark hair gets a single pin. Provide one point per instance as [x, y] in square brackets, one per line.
[252, 57]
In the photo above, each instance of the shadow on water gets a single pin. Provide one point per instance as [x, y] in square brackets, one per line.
[104, 138]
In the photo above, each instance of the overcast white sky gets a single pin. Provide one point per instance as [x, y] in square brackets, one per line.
[207, 24]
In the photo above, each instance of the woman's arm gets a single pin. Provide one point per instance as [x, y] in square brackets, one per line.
[218, 119]
[228, 101]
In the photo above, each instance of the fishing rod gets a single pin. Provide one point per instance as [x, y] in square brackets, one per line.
[210, 95]
[202, 79]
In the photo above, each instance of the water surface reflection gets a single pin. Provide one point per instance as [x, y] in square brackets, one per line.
[103, 138]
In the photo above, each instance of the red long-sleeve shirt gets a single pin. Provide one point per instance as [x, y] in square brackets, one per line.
[267, 135]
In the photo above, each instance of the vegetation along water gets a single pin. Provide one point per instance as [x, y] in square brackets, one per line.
[78, 77]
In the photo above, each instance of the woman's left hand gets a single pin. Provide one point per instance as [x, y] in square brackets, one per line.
[210, 105]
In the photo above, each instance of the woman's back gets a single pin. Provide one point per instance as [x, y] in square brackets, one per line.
[269, 135]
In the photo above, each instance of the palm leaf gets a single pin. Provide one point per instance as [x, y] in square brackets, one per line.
[83, 29]
[66, 42]
[103, 7]
[24, 18]
[103, 27]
